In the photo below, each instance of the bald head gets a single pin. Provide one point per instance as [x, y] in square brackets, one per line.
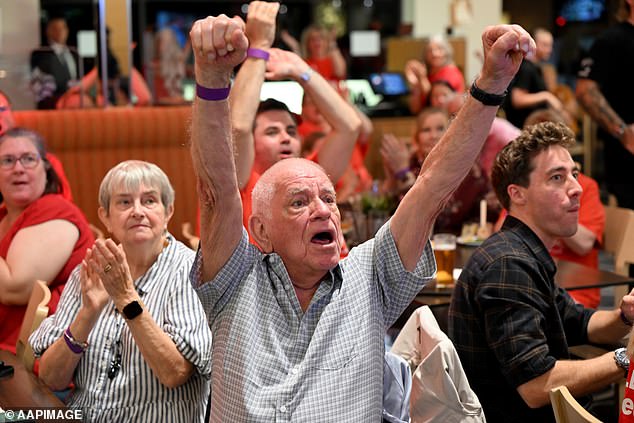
[284, 170]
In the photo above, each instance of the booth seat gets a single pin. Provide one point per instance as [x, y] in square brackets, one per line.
[89, 142]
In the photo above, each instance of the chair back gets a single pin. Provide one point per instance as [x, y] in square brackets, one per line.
[436, 395]
[36, 312]
[567, 409]
[619, 236]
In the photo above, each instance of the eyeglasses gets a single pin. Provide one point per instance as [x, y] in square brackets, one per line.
[27, 160]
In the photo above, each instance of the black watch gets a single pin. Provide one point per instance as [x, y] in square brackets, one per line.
[132, 310]
[622, 360]
[486, 98]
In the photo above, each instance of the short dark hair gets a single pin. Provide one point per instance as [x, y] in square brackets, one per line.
[514, 164]
[53, 184]
[273, 104]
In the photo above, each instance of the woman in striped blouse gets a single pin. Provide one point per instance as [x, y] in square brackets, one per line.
[129, 330]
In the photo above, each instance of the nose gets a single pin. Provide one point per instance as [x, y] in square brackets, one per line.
[321, 210]
[575, 188]
[137, 209]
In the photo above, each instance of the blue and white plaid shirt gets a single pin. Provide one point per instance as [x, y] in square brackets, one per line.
[273, 362]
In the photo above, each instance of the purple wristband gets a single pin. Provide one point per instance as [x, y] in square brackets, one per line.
[73, 345]
[625, 320]
[402, 173]
[257, 53]
[212, 94]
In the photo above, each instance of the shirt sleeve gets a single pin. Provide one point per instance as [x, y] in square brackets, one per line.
[574, 316]
[514, 323]
[397, 287]
[216, 293]
[185, 323]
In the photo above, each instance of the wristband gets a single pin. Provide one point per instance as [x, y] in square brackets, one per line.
[402, 173]
[257, 53]
[486, 98]
[74, 345]
[305, 76]
[212, 94]
[625, 320]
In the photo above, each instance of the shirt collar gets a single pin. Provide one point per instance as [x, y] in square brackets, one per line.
[149, 279]
[532, 241]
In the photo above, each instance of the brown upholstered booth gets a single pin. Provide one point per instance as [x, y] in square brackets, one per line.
[89, 142]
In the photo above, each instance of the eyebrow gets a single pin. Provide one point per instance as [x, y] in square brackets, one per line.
[575, 168]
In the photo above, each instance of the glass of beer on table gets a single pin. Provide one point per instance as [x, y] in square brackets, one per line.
[445, 253]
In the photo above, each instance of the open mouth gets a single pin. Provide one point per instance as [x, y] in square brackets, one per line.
[323, 238]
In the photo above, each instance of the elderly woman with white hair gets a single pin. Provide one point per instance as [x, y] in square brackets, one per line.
[129, 330]
[438, 66]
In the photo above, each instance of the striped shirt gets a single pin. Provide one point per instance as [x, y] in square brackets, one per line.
[274, 362]
[135, 394]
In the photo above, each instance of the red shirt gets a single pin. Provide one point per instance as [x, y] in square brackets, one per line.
[627, 406]
[45, 208]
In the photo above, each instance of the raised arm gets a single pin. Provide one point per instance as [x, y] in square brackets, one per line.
[245, 93]
[336, 150]
[219, 44]
[450, 161]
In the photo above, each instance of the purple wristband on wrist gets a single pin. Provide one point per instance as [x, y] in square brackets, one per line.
[212, 94]
[402, 173]
[72, 344]
[257, 53]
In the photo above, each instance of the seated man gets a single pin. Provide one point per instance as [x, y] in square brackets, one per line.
[510, 323]
[298, 334]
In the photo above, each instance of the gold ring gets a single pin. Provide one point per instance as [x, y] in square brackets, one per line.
[107, 268]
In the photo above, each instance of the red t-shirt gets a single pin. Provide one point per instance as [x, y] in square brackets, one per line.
[324, 67]
[626, 414]
[452, 75]
[47, 207]
[592, 216]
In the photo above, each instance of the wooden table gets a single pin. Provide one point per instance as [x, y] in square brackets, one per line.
[23, 389]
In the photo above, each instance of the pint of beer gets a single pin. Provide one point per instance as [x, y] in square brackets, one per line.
[445, 253]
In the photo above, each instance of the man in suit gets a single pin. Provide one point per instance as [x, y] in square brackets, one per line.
[54, 66]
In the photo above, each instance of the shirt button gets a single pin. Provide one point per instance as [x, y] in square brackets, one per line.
[283, 409]
[294, 371]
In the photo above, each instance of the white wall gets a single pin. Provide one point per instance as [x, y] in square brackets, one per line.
[433, 17]
[19, 34]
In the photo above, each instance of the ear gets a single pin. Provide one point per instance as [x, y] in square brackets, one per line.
[103, 216]
[517, 194]
[169, 212]
[257, 229]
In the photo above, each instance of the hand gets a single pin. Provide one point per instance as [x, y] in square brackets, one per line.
[94, 297]
[504, 49]
[414, 71]
[628, 138]
[553, 101]
[627, 306]
[284, 64]
[219, 44]
[260, 27]
[109, 262]
[394, 153]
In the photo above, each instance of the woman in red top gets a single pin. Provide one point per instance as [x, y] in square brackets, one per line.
[42, 235]
[438, 66]
[319, 49]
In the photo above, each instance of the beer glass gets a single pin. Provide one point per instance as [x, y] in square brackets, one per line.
[445, 253]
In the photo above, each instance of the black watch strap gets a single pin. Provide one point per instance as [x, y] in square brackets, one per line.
[132, 310]
[486, 98]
